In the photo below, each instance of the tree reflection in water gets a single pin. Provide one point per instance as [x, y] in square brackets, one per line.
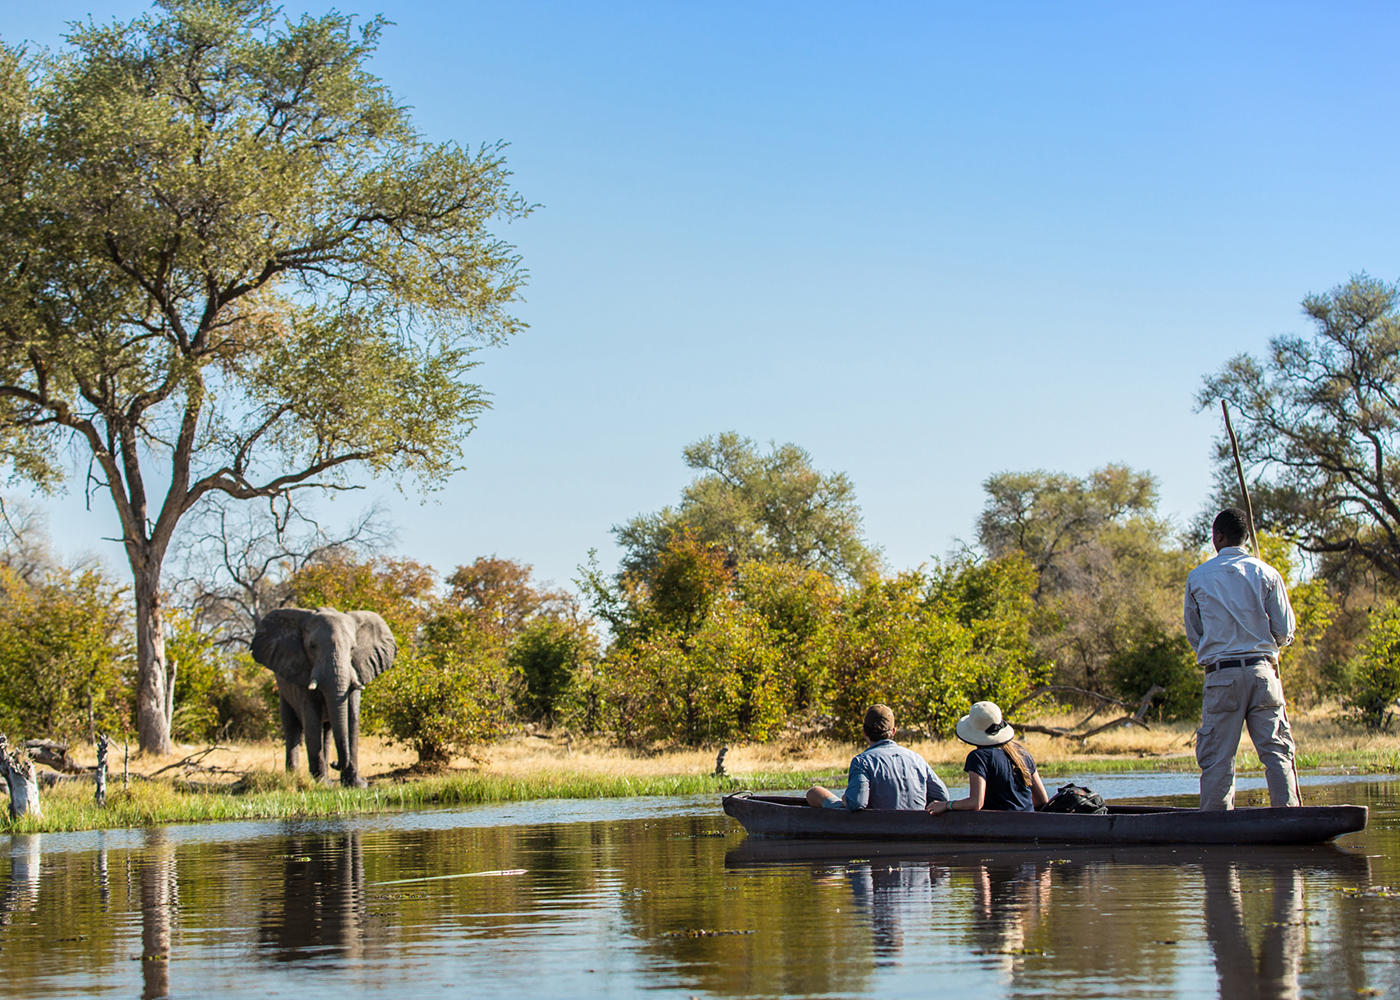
[159, 899]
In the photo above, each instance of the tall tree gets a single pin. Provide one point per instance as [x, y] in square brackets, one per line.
[1105, 561]
[1318, 422]
[772, 507]
[230, 264]
[1051, 517]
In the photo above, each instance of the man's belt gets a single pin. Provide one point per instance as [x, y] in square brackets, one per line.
[1211, 668]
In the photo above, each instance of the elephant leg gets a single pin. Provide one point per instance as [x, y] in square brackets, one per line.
[315, 739]
[291, 734]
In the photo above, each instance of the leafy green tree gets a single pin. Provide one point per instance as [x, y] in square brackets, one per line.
[200, 678]
[401, 591]
[450, 691]
[1154, 657]
[757, 507]
[800, 610]
[684, 580]
[1052, 518]
[894, 649]
[1106, 562]
[64, 668]
[504, 594]
[230, 265]
[1375, 676]
[1318, 423]
[549, 655]
[723, 680]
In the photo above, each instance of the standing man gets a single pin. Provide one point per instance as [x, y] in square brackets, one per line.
[1238, 619]
[884, 775]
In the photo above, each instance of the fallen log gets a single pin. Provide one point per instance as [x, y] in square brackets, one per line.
[54, 755]
[1077, 732]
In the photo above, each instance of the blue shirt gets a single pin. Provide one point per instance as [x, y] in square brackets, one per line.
[887, 776]
[1004, 788]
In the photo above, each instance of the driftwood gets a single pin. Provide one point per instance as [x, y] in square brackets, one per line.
[54, 755]
[1101, 702]
[20, 779]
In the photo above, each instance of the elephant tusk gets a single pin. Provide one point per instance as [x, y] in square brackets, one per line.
[311, 686]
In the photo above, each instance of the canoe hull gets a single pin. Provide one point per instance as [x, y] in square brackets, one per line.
[787, 816]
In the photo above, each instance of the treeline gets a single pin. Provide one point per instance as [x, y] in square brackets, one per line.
[755, 607]
[752, 609]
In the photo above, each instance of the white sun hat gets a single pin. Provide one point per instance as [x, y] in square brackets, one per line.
[983, 726]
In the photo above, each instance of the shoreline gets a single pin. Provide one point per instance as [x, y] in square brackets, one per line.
[247, 781]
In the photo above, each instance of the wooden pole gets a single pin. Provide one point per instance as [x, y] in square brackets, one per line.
[1239, 471]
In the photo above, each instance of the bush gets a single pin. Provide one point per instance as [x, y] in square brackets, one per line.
[720, 682]
[450, 691]
[1375, 673]
[548, 655]
[1158, 658]
[65, 661]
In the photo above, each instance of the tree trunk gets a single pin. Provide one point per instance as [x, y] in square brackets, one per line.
[152, 702]
[21, 779]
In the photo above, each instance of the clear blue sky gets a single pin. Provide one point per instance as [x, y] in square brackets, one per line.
[925, 241]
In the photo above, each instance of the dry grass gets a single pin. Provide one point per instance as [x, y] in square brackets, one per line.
[1321, 739]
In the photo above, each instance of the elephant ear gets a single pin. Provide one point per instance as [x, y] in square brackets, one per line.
[277, 645]
[375, 647]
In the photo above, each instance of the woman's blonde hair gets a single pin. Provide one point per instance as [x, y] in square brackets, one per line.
[1020, 760]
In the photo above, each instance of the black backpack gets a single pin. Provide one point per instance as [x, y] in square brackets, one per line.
[1075, 799]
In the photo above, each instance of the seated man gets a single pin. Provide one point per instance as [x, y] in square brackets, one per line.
[884, 775]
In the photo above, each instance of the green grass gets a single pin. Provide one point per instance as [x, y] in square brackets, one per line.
[273, 795]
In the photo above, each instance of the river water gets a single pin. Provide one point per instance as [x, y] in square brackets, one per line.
[667, 898]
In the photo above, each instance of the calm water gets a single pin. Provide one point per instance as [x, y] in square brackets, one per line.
[668, 898]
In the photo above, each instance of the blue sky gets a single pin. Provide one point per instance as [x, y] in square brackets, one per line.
[927, 242]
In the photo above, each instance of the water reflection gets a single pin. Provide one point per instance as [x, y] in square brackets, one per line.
[159, 889]
[317, 904]
[1271, 970]
[884, 892]
[1126, 916]
[683, 904]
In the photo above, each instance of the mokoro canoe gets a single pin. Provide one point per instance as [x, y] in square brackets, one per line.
[789, 816]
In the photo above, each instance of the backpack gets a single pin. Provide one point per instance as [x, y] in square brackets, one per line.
[1075, 799]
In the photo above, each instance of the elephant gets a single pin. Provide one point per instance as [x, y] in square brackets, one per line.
[322, 659]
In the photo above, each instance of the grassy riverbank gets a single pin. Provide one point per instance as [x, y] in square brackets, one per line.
[246, 781]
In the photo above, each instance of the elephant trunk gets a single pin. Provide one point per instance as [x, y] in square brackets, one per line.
[342, 699]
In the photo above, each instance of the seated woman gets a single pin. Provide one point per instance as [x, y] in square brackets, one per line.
[1000, 772]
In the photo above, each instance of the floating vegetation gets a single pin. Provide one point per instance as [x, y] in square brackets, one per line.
[1371, 892]
[700, 932]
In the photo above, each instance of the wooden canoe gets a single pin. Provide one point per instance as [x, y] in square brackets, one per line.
[789, 816]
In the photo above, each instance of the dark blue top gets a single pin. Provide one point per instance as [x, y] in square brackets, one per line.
[1004, 788]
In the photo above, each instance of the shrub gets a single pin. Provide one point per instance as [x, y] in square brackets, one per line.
[1157, 658]
[548, 655]
[1375, 673]
[65, 661]
[450, 691]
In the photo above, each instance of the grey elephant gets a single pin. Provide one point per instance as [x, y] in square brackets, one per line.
[322, 660]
